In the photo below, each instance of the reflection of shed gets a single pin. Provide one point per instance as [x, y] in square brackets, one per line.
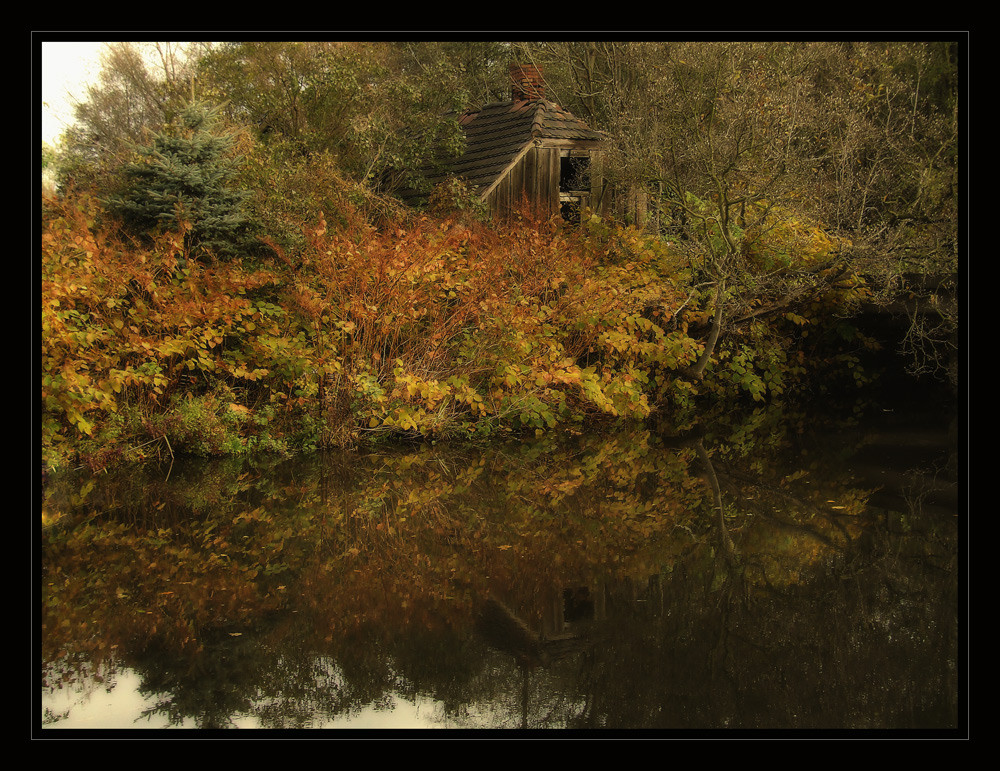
[530, 150]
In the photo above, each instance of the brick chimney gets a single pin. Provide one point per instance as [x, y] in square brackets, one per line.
[526, 82]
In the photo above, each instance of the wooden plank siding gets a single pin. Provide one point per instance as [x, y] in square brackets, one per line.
[532, 178]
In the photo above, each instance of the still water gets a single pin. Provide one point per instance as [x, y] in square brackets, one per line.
[769, 571]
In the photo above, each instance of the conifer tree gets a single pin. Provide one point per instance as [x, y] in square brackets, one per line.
[185, 176]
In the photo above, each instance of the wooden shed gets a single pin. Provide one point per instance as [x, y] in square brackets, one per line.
[530, 149]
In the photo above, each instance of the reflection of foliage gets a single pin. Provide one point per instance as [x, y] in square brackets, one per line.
[377, 566]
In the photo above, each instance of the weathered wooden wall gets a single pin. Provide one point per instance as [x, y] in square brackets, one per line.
[535, 177]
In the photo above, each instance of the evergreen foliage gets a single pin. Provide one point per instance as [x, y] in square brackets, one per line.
[182, 180]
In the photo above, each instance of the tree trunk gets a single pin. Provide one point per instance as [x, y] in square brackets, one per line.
[697, 371]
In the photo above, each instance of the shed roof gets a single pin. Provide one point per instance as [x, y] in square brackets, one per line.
[499, 133]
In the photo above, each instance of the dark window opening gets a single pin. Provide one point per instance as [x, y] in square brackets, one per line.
[574, 173]
[574, 184]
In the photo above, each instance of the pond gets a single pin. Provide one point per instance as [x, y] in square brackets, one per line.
[770, 571]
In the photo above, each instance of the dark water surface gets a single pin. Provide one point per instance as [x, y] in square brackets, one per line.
[773, 571]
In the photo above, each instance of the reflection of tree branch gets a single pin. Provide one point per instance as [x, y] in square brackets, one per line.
[727, 542]
[695, 439]
[797, 501]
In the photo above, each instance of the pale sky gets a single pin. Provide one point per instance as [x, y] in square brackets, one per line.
[67, 67]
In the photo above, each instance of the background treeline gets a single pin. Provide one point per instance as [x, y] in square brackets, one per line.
[225, 267]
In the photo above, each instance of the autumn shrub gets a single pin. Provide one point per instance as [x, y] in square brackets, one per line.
[127, 326]
[209, 424]
[449, 327]
[789, 322]
[288, 188]
[429, 327]
[454, 197]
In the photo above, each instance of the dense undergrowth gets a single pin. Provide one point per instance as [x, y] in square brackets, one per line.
[430, 327]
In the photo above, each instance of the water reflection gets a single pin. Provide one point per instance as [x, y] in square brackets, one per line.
[747, 576]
